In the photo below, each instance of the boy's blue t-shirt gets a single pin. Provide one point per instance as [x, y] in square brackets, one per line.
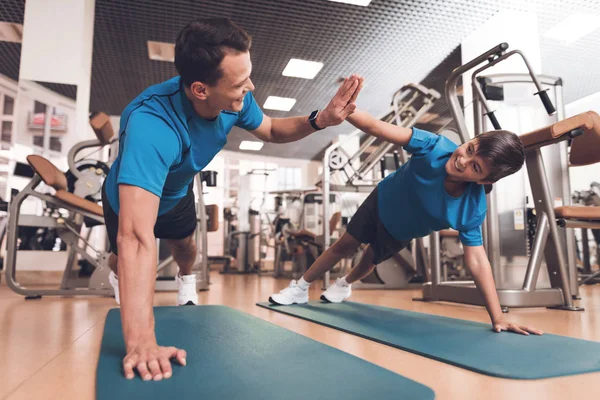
[413, 201]
[163, 142]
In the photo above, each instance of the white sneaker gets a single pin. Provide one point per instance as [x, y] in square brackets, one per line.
[113, 279]
[292, 294]
[187, 295]
[337, 292]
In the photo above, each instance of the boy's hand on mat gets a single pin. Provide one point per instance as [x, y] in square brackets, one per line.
[153, 362]
[511, 327]
[342, 104]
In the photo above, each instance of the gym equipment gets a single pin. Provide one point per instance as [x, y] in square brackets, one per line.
[233, 355]
[68, 229]
[351, 173]
[247, 242]
[589, 198]
[85, 176]
[465, 344]
[559, 250]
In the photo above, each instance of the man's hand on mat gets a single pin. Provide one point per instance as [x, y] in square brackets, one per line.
[511, 327]
[342, 104]
[152, 361]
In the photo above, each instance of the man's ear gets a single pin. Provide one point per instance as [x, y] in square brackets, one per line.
[199, 90]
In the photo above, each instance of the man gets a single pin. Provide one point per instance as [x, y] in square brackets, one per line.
[168, 134]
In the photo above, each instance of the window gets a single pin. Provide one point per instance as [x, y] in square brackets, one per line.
[38, 107]
[289, 178]
[55, 143]
[6, 133]
[9, 106]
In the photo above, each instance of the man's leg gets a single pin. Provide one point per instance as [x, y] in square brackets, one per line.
[343, 247]
[112, 262]
[184, 253]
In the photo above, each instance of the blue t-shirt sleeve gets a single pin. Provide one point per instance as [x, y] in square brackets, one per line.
[149, 150]
[471, 237]
[421, 142]
[251, 115]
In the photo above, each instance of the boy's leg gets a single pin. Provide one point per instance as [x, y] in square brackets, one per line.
[364, 267]
[297, 292]
[343, 247]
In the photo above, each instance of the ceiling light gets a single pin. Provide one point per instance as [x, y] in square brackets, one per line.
[161, 51]
[11, 32]
[250, 145]
[363, 3]
[279, 103]
[302, 68]
[574, 27]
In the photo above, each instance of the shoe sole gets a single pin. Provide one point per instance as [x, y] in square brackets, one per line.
[326, 300]
[280, 304]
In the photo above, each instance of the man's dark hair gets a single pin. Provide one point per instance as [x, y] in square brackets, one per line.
[503, 150]
[201, 46]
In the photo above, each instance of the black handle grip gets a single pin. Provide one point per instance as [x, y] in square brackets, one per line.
[210, 177]
[382, 167]
[396, 159]
[493, 120]
[547, 103]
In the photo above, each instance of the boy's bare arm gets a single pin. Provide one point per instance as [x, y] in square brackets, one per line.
[383, 130]
[481, 270]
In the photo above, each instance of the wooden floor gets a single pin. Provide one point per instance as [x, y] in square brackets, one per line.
[49, 348]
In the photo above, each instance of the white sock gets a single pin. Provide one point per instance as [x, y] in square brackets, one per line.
[302, 284]
[343, 281]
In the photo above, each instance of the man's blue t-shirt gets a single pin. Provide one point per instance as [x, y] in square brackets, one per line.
[163, 143]
[413, 201]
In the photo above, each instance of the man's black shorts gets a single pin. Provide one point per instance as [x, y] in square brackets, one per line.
[177, 223]
[366, 227]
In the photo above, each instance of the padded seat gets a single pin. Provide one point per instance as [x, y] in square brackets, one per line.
[102, 127]
[54, 178]
[586, 213]
[79, 202]
[559, 129]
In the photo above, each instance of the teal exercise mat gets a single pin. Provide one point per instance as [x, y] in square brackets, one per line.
[233, 355]
[466, 344]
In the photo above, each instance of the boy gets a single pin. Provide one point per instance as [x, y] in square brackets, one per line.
[441, 186]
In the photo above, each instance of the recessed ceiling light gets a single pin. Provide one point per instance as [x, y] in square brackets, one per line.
[279, 103]
[302, 68]
[574, 27]
[250, 145]
[11, 32]
[161, 51]
[363, 3]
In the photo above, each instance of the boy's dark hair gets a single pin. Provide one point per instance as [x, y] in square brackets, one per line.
[201, 46]
[503, 150]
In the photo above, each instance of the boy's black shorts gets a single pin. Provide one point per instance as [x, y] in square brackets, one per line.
[177, 223]
[366, 227]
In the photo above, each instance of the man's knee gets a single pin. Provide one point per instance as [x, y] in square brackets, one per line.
[184, 247]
